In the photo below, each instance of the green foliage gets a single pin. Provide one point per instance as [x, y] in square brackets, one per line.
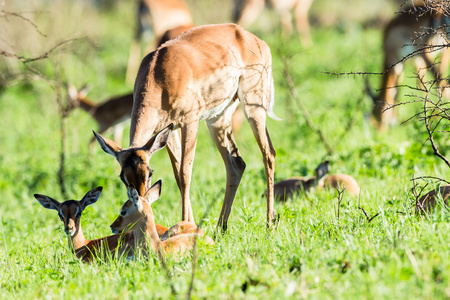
[312, 253]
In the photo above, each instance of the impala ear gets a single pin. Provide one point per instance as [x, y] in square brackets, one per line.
[133, 195]
[107, 145]
[159, 140]
[91, 197]
[47, 202]
[154, 192]
[322, 170]
[72, 92]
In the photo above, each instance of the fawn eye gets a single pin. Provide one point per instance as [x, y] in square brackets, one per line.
[123, 213]
[78, 215]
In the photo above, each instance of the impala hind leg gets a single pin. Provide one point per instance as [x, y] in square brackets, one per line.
[188, 143]
[220, 129]
[257, 120]
[174, 149]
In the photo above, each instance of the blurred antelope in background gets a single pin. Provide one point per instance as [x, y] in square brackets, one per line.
[111, 113]
[137, 215]
[160, 16]
[288, 188]
[70, 214]
[415, 31]
[197, 76]
[427, 202]
[247, 11]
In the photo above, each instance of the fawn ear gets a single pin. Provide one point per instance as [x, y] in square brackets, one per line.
[159, 140]
[154, 192]
[133, 195]
[47, 201]
[322, 170]
[91, 197]
[107, 145]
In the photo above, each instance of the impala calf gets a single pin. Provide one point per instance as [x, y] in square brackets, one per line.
[406, 34]
[70, 214]
[288, 188]
[108, 114]
[137, 215]
[428, 201]
[245, 12]
[340, 182]
[197, 76]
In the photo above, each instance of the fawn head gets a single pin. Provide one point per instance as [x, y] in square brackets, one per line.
[70, 211]
[135, 161]
[135, 208]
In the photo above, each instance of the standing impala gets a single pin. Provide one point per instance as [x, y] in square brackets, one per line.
[199, 76]
[162, 15]
[247, 11]
[414, 31]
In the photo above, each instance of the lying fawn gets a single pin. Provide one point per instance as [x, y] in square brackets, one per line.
[428, 201]
[286, 189]
[70, 213]
[136, 214]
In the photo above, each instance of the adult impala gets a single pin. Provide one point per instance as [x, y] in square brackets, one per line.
[199, 76]
[413, 32]
[162, 15]
[245, 12]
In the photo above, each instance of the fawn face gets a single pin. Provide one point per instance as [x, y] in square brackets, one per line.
[70, 211]
[134, 161]
[136, 208]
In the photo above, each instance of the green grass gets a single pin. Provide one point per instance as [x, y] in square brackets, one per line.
[314, 253]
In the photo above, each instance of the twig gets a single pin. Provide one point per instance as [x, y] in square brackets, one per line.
[4, 13]
[369, 219]
[194, 250]
[339, 198]
[430, 136]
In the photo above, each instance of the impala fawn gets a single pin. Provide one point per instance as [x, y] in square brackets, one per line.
[414, 32]
[70, 214]
[290, 187]
[286, 189]
[137, 215]
[428, 201]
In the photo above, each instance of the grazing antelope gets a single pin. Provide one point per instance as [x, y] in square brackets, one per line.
[406, 34]
[162, 15]
[428, 201]
[247, 11]
[136, 214]
[288, 188]
[70, 214]
[199, 76]
[108, 114]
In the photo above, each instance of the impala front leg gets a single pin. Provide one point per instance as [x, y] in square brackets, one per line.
[189, 141]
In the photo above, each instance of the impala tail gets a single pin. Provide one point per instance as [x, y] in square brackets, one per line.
[270, 111]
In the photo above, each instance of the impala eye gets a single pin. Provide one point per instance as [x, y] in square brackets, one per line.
[123, 213]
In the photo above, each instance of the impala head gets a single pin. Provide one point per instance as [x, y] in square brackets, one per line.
[70, 211]
[135, 161]
[135, 208]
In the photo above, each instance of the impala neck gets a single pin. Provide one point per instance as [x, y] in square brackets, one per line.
[143, 125]
[146, 230]
[87, 105]
[78, 240]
